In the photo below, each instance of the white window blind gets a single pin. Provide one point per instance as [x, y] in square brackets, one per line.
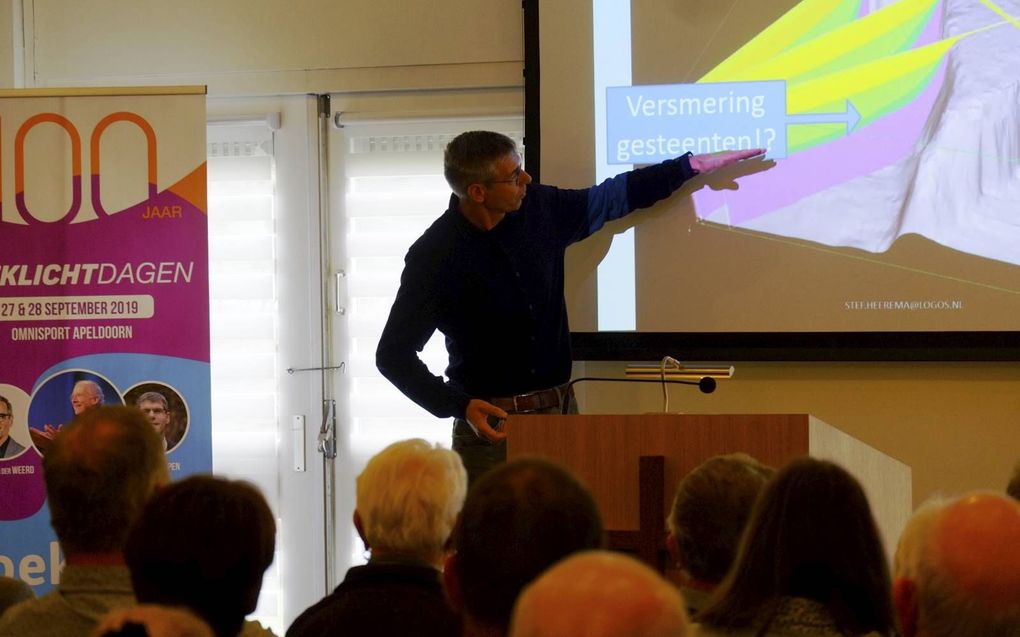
[243, 321]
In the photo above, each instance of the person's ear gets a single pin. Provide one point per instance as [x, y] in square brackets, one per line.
[476, 193]
[451, 584]
[359, 526]
[904, 595]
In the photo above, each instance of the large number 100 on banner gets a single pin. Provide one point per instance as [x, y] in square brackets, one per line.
[104, 288]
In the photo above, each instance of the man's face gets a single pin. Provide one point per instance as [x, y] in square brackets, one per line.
[506, 190]
[6, 419]
[158, 415]
[83, 398]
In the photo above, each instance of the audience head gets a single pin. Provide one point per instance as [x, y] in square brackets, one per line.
[967, 582]
[99, 472]
[203, 543]
[811, 535]
[471, 158]
[147, 620]
[710, 511]
[408, 498]
[1013, 488]
[517, 520]
[600, 594]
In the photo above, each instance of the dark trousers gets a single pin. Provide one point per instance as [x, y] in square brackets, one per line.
[478, 454]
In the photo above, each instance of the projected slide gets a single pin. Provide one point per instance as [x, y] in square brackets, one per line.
[884, 119]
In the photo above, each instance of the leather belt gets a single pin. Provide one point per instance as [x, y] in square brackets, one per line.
[534, 401]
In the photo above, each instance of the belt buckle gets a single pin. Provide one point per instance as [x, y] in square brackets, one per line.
[517, 407]
[528, 400]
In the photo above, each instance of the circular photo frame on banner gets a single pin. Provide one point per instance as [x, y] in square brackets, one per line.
[14, 438]
[165, 409]
[61, 397]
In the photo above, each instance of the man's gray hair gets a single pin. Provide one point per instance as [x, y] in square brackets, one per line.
[470, 158]
[409, 496]
[915, 537]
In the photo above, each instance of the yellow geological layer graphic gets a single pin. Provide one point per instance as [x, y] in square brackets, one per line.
[827, 57]
[875, 89]
[802, 22]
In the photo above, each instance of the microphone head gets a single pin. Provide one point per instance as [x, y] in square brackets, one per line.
[706, 384]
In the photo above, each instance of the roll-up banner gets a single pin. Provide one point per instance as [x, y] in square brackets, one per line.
[104, 286]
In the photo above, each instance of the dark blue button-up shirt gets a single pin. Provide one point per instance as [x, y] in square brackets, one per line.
[497, 295]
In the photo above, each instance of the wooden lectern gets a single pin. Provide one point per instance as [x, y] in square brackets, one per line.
[632, 463]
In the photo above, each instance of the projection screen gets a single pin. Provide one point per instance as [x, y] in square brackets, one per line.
[884, 221]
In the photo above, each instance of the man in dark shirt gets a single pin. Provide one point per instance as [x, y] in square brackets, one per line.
[489, 275]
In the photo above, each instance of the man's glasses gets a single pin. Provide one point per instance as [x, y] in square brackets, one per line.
[515, 178]
[154, 410]
[6, 416]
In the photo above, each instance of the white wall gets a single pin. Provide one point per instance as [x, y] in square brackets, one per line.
[258, 47]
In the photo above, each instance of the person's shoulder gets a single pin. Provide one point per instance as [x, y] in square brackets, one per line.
[13, 591]
[39, 616]
[440, 233]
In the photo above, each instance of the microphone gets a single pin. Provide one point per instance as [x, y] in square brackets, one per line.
[706, 384]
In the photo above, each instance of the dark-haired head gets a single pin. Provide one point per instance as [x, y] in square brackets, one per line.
[811, 535]
[518, 520]
[203, 543]
[710, 510]
[99, 471]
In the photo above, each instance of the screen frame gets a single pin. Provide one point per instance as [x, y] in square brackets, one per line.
[927, 346]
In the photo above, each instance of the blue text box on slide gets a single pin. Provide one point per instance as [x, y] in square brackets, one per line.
[648, 124]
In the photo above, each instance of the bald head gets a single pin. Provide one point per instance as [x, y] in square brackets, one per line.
[600, 594]
[968, 576]
[977, 545]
